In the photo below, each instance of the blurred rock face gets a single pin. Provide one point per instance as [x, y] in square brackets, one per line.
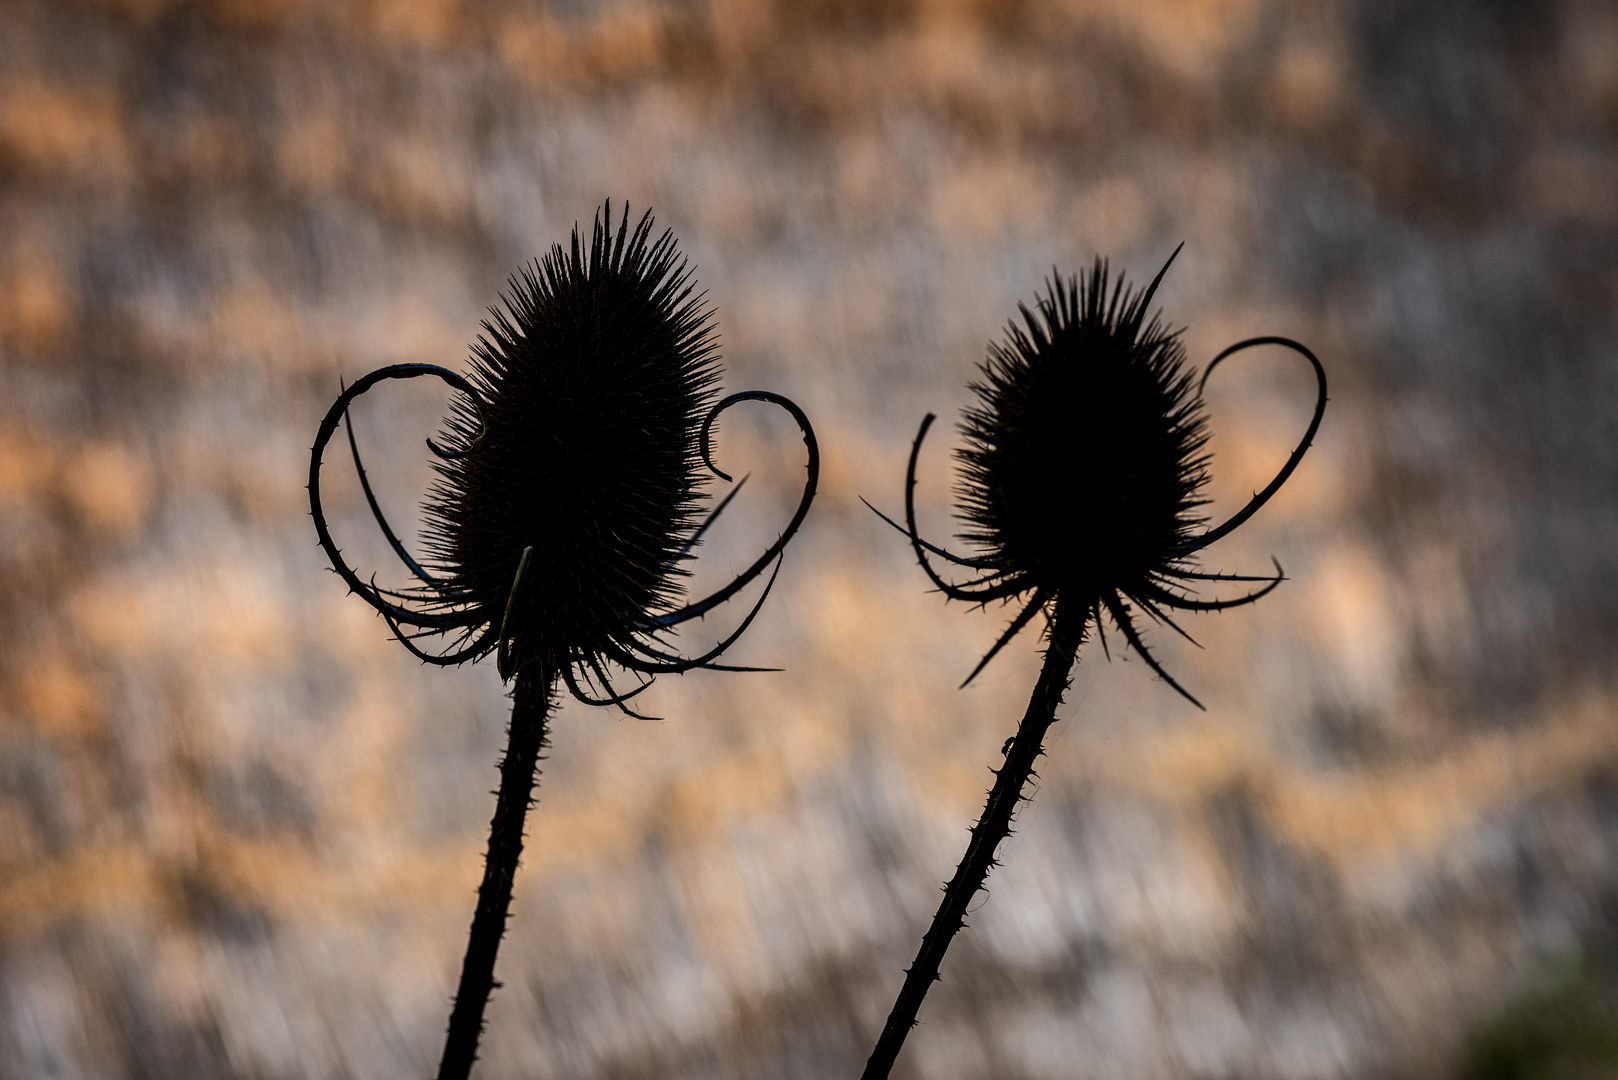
[240, 830]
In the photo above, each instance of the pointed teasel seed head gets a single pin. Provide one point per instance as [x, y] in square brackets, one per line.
[594, 381]
[1084, 454]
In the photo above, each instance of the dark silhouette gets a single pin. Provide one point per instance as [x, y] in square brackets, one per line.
[567, 501]
[1081, 477]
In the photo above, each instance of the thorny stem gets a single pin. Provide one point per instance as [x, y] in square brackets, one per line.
[992, 827]
[530, 711]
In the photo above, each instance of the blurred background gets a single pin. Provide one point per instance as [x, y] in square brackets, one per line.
[241, 830]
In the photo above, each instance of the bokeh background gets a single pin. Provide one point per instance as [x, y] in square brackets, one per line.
[240, 830]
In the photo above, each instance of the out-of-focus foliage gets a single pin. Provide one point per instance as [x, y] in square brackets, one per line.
[1567, 1030]
[240, 830]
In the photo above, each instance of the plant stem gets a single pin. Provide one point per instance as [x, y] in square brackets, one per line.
[992, 827]
[530, 711]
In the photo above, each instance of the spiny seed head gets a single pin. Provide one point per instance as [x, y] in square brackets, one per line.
[594, 383]
[1084, 456]
[1082, 467]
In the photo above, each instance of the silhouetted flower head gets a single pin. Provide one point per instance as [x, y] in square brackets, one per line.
[594, 383]
[1083, 465]
[572, 469]
[1084, 456]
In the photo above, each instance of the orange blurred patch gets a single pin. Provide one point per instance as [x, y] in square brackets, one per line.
[52, 130]
[426, 24]
[1415, 811]
[256, 14]
[89, 883]
[1310, 84]
[252, 320]
[1575, 186]
[225, 614]
[1355, 622]
[1201, 758]
[179, 977]
[141, 11]
[625, 44]
[245, 14]
[27, 466]
[536, 46]
[111, 487]
[1188, 37]
[622, 45]
[36, 306]
[211, 147]
[58, 700]
[947, 57]
[19, 837]
[312, 156]
[987, 197]
[1359, 817]
[281, 875]
[1109, 217]
[363, 765]
[413, 180]
[700, 804]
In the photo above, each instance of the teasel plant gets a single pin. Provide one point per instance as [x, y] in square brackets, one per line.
[566, 506]
[1080, 487]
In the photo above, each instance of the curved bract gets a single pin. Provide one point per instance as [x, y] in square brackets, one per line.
[571, 475]
[1084, 466]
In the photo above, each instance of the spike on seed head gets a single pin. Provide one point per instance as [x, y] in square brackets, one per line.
[594, 382]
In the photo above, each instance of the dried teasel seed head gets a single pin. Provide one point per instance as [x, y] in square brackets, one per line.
[594, 384]
[570, 478]
[1083, 467]
[1084, 455]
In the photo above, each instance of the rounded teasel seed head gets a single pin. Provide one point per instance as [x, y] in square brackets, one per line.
[594, 383]
[1083, 469]
[571, 474]
[1084, 450]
